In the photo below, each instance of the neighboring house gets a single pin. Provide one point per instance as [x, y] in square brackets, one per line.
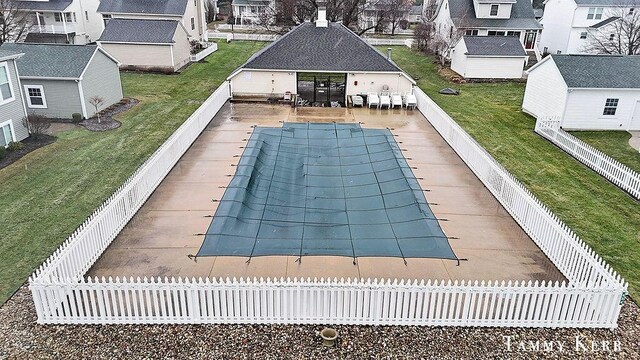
[515, 18]
[586, 92]
[189, 13]
[568, 23]
[488, 57]
[415, 14]
[247, 12]
[12, 107]
[322, 63]
[376, 9]
[147, 44]
[63, 21]
[59, 80]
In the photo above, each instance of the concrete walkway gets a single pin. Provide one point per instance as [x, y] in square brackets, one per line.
[170, 225]
[634, 142]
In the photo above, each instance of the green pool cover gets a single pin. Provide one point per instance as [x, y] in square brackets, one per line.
[324, 189]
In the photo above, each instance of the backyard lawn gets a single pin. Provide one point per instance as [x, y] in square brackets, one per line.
[614, 144]
[51, 191]
[599, 212]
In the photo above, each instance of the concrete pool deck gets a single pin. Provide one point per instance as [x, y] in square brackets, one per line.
[170, 225]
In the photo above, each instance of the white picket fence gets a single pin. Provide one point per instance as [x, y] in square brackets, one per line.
[592, 297]
[272, 37]
[208, 50]
[614, 171]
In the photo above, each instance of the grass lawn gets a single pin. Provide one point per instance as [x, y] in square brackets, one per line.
[614, 144]
[599, 212]
[50, 192]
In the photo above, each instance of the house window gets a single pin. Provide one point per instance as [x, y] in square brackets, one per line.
[193, 23]
[513, 33]
[631, 10]
[610, 107]
[6, 133]
[494, 10]
[473, 32]
[57, 17]
[612, 37]
[105, 19]
[6, 89]
[583, 35]
[594, 13]
[35, 96]
[86, 15]
[495, 33]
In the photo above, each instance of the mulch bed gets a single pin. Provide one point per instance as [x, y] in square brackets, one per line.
[107, 122]
[30, 144]
[22, 338]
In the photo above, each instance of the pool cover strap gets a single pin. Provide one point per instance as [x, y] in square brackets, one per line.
[324, 189]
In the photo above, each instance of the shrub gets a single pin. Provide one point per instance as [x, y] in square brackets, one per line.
[37, 124]
[77, 117]
[15, 146]
[3, 151]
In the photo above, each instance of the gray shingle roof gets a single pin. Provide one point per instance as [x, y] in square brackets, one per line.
[333, 48]
[626, 3]
[53, 5]
[416, 10]
[494, 45]
[139, 31]
[51, 60]
[599, 71]
[157, 7]
[522, 17]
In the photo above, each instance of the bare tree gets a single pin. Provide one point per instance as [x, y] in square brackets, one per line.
[210, 10]
[396, 11]
[620, 36]
[14, 22]
[422, 35]
[97, 101]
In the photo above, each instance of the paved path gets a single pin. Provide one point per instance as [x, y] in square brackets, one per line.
[634, 142]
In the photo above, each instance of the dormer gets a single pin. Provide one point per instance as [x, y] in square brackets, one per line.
[493, 9]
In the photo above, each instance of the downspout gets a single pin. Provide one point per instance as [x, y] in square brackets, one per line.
[82, 103]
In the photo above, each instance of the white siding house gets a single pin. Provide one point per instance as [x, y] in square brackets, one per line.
[570, 24]
[483, 57]
[586, 92]
[12, 106]
[318, 70]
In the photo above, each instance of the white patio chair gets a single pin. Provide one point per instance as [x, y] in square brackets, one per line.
[373, 100]
[396, 100]
[385, 100]
[410, 101]
[357, 100]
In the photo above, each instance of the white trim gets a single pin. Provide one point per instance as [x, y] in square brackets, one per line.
[24, 103]
[82, 103]
[135, 43]
[173, 60]
[48, 78]
[402, 73]
[28, 97]
[5, 65]
[11, 130]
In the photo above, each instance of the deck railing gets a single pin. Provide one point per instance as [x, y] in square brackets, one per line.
[619, 174]
[591, 297]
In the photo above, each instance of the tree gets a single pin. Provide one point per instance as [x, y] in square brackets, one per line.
[14, 23]
[422, 35]
[97, 101]
[620, 36]
[210, 11]
[395, 12]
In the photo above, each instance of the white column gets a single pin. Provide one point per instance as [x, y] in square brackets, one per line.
[64, 22]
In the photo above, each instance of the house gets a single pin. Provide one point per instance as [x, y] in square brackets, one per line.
[147, 44]
[395, 13]
[454, 18]
[247, 12]
[415, 14]
[488, 57]
[322, 62]
[12, 106]
[568, 24]
[189, 13]
[59, 80]
[63, 21]
[586, 92]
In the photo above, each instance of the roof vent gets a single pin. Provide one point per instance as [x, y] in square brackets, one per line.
[322, 15]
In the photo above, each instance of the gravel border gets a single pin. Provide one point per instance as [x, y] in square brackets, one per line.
[22, 338]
